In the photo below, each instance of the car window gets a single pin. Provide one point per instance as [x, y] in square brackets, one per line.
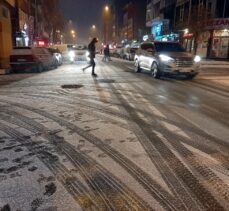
[147, 46]
[79, 47]
[22, 51]
[133, 50]
[169, 47]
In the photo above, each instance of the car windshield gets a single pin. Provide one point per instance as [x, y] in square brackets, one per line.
[168, 47]
[21, 51]
[79, 47]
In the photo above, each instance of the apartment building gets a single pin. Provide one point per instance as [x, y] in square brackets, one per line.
[129, 21]
[134, 16]
[6, 10]
[160, 19]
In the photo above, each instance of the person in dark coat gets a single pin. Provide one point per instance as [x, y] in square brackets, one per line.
[92, 51]
[107, 54]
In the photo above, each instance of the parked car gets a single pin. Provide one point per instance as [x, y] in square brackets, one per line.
[78, 53]
[166, 59]
[57, 56]
[129, 53]
[64, 50]
[117, 51]
[31, 58]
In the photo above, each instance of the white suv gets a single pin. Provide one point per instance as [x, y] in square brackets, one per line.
[166, 59]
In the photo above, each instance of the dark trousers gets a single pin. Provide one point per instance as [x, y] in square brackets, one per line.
[92, 64]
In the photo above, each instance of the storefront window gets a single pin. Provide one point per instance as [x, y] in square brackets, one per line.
[203, 44]
[220, 45]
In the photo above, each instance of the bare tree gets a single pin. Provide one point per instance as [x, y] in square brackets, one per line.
[198, 20]
[54, 20]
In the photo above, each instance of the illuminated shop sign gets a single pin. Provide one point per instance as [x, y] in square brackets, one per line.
[219, 23]
[160, 27]
[42, 43]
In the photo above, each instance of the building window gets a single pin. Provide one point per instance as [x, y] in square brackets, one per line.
[4, 12]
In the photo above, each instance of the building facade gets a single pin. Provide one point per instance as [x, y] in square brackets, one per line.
[160, 19]
[134, 16]
[6, 11]
[20, 23]
[129, 21]
[204, 27]
[200, 25]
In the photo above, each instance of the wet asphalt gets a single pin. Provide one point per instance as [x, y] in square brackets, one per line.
[118, 141]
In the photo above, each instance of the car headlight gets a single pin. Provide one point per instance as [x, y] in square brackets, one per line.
[71, 54]
[87, 53]
[165, 58]
[197, 59]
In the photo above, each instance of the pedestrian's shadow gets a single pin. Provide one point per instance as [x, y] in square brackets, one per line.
[101, 91]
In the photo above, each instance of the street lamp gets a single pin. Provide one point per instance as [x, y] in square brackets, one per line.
[106, 8]
[93, 27]
[73, 31]
[107, 22]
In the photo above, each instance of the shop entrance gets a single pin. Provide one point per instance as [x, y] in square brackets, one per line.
[220, 47]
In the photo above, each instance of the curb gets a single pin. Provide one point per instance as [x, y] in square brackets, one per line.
[216, 64]
[208, 68]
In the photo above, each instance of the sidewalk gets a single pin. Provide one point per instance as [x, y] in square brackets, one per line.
[214, 63]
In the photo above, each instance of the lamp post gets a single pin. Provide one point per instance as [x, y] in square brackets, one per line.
[73, 33]
[106, 20]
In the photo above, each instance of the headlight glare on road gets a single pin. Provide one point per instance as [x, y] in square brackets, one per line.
[71, 54]
[197, 59]
[165, 58]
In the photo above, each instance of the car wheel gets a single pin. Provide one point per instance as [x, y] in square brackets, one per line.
[137, 67]
[39, 68]
[155, 70]
[55, 64]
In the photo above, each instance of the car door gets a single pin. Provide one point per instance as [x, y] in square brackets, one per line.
[149, 56]
[142, 54]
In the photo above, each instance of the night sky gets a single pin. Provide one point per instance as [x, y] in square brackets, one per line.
[84, 13]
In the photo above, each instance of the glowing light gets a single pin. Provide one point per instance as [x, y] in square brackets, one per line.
[106, 8]
[41, 43]
[186, 31]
